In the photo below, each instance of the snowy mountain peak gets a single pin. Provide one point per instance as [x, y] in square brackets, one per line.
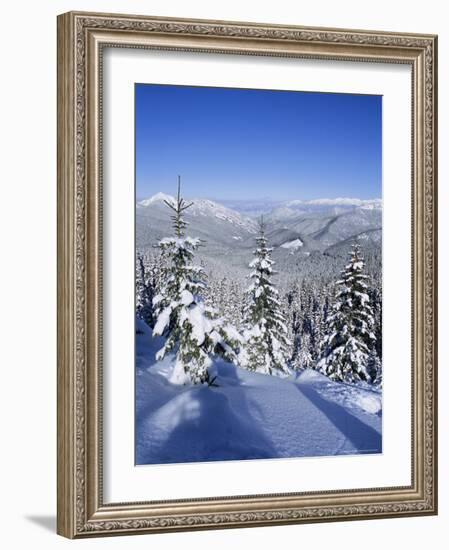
[206, 207]
[204, 216]
[158, 197]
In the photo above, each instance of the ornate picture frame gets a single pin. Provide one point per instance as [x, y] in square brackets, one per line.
[82, 39]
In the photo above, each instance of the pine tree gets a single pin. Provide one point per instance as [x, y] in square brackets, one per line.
[293, 319]
[350, 337]
[375, 368]
[266, 331]
[303, 357]
[144, 293]
[376, 300]
[191, 328]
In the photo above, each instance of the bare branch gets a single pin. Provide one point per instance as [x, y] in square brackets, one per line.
[186, 206]
[170, 205]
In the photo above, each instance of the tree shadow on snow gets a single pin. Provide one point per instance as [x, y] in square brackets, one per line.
[250, 409]
[148, 402]
[216, 431]
[364, 438]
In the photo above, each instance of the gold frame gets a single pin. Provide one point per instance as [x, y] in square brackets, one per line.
[81, 37]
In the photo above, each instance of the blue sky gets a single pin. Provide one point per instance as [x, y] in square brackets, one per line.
[251, 144]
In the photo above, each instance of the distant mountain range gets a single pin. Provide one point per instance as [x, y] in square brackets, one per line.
[296, 229]
[266, 206]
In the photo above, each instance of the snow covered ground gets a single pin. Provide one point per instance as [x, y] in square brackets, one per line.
[247, 415]
[297, 243]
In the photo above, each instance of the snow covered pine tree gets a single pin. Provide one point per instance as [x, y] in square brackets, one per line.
[350, 339]
[265, 329]
[190, 327]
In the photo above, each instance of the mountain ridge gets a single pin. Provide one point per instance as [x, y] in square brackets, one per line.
[325, 229]
[319, 202]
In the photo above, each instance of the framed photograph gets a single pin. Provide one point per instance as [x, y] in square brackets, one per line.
[246, 274]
